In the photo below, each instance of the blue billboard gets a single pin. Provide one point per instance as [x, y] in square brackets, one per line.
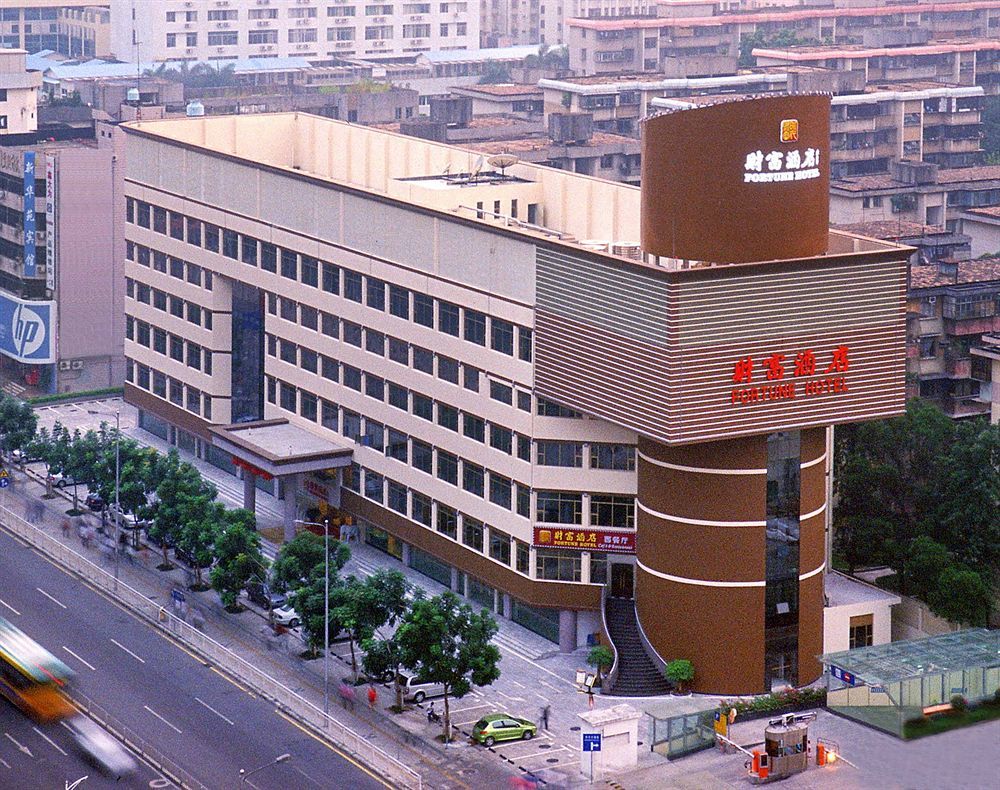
[30, 262]
[26, 330]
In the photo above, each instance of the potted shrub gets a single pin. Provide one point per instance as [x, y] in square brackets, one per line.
[680, 672]
[601, 658]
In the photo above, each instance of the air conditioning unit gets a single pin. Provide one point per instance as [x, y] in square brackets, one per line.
[416, 41]
[341, 20]
[267, 47]
[63, 364]
[415, 18]
[931, 300]
[380, 20]
[302, 21]
[188, 26]
[76, 364]
[220, 49]
[263, 24]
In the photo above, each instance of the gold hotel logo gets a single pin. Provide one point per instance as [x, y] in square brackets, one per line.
[789, 132]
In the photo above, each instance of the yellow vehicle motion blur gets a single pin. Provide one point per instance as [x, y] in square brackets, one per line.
[31, 677]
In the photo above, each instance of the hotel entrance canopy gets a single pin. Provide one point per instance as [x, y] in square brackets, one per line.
[279, 448]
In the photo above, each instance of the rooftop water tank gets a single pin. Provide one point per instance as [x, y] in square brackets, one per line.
[195, 109]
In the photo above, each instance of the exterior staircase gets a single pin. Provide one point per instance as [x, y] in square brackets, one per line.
[638, 676]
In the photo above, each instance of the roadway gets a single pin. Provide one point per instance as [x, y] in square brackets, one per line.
[190, 712]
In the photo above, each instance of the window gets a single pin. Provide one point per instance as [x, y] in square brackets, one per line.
[558, 507]
[352, 333]
[620, 457]
[523, 447]
[472, 533]
[375, 435]
[448, 318]
[612, 511]
[307, 405]
[474, 427]
[397, 446]
[500, 490]
[399, 351]
[303, 36]
[470, 378]
[287, 396]
[263, 36]
[448, 369]
[524, 401]
[558, 453]
[375, 293]
[502, 336]
[272, 390]
[421, 509]
[159, 219]
[176, 346]
[194, 274]
[374, 387]
[177, 268]
[211, 238]
[289, 310]
[231, 244]
[331, 278]
[423, 407]
[423, 457]
[374, 485]
[352, 286]
[308, 316]
[330, 415]
[375, 342]
[448, 417]
[861, 631]
[546, 408]
[268, 257]
[353, 478]
[352, 377]
[399, 302]
[143, 214]
[523, 556]
[557, 565]
[193, 232]
[501, 392]
[423, 310]
[472, 478]
[352, 425]
[523, 501]
[500, 438]
[289, 265]
[524, 344]
[447, 521]
[396, 496]
[399, 397]
[331, 369]
[475, 327]
[423, 360]
[176, 225]
[308, 359]
[309, 271]
[331, 325]
[223, 39]
[499, 546]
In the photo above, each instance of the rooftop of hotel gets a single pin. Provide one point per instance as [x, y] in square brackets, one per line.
[390, 164]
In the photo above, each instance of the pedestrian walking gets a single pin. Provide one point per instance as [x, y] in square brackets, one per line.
[372, 696]
[590, 700]
[65, 527]
[346, 695]
[545, 716]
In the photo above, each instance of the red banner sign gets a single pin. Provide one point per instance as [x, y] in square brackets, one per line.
[587, 540]
[255, 470]
[774, 385]
[316, 489]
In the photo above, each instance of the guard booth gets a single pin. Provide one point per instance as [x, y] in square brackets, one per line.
[786, 749]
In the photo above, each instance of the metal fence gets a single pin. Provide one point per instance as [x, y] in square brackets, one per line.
[374, 757]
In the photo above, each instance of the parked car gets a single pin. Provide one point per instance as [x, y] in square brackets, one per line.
[502, 727]
[416, 690]
[21, 457]
[95, 502]
[61, 480]
[262, 595]
[286, 615]
[100, 748]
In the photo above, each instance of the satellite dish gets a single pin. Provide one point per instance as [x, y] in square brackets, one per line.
[479, 166]
[502, 161]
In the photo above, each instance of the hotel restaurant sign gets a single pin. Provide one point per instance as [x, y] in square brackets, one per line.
[778, 377]
[585, 539]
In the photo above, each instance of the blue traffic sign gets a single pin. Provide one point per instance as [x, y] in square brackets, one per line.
[843, 675]
[4, 482]
[592, 741]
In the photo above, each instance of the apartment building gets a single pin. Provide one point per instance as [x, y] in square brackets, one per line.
[72, 27]
[84, 32]
[694, 40]
[439, 352]
[55, 235]
[318, 30]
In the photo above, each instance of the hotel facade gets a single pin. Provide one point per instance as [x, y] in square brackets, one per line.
[440, 357]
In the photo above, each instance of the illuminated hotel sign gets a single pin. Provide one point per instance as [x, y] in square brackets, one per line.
[794, 165]
[585, 539]
[803, 366]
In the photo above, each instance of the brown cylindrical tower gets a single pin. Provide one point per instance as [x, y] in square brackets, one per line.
[704, 581]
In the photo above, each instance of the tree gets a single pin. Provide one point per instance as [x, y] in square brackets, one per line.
[180, 493]
[198, 535]
[785, 37]
[18, 422]
[444, 641]
[363, 606]
[495, 73]
[238, 556]
[308, 601]
[923, 566]
[301, 555]
[961, 596]
[680, 672]
[600, 658]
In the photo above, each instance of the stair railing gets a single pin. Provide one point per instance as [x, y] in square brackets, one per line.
[612, 676]
[655, 657]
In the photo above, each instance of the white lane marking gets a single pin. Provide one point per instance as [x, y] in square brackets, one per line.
[51, 742]
[54, 600]
[23, 749]
[519, 685]
[137, 658]
[4, 762]
[171, 726]
[10, 607]
[85, 663]
[509, 697]
[229, 721]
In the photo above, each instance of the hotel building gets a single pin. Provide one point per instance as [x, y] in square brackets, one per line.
[435, 352]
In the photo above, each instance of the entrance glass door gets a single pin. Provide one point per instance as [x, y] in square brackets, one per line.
[622, 580]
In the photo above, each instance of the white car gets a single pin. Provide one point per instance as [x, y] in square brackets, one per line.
[101, 748]
[61, 480]
[286, 615]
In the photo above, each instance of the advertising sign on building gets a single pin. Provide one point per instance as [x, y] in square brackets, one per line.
[585, 539]
[26, 329]
[50, 222]
[30, 263]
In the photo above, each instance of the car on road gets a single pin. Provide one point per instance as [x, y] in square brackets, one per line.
[262, 595]
[417, 690]
[286, 616]
[100, 748]
[502, 727]
[61, 480]
[95, 502]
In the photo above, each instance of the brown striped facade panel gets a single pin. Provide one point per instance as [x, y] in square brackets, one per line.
[744, 452]
[166, 410]
[810, 628]
[715, 554]
[536, 593]
[720, 630]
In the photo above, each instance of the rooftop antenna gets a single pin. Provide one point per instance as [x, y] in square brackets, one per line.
[138, 74]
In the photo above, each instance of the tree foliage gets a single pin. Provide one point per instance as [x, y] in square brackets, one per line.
[17, 423]
[785, 37]
[298, 558]
[308, 601]
[238, 556]
[362, 606]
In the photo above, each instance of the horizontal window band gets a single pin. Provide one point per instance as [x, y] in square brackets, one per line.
[697, 522]
[706, 583]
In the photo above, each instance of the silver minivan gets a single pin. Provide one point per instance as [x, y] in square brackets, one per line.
[417, 691]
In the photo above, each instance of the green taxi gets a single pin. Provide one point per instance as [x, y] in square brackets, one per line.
[502, 727]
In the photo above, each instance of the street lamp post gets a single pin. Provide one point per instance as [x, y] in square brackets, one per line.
[279, 759]
[326, 609]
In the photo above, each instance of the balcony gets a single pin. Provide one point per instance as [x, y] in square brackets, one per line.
[851, 125]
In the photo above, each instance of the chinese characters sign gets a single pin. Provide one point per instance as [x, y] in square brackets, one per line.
[585, 539]
[30, 265]
[795, 165]
[780, 376]
[50, 222]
